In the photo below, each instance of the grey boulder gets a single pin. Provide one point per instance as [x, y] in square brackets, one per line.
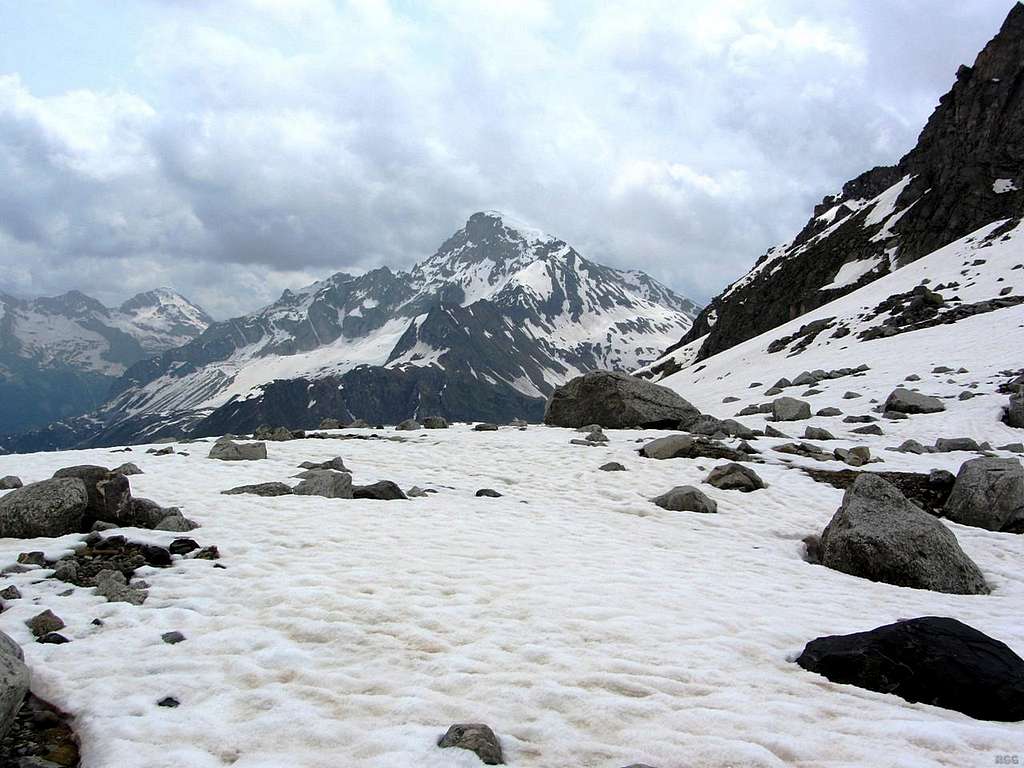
[790, 409]
[409, 425]
[903, 400]
[617, 400]
[435, 422]
[734, 477]
[1015, 410]
[988, 493]
[260, 489]
[14, 681]
[227, 449]
[878, 534]
[48, 508]
[688, 447]
[686, 498]
[10, 482]
[326, 483]
[475, 737]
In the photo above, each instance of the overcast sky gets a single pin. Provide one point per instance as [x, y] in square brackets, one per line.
[230, 149]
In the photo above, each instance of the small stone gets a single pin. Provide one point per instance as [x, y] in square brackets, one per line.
[612, 466]
[44, 623]
[686, 498]
[851, 395]
[182, 546]
[488, 492]
[32, 558]
[485, 427]
[870, 429]
[53, 638]
[475, 737]
[208, 553]
[10, 593]
[829, 412]
[172, 638]
[168, 701]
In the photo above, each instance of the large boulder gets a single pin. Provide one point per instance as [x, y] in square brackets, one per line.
[686, 498]
[48, 508]
[988, 493]
[435, 422]
[110, 493]
[790, 409]
[276, 434]
[734, 477]
[932, 660]
[14, 681]
[10, 482]
[903, 400]
[878, 534]
[689, 447]
[326, 483]
[409, 425]
[617, 400]
[227, 449]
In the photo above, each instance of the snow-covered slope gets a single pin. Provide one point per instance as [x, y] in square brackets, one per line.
[499, 308]
[966, 171]
[898, 327]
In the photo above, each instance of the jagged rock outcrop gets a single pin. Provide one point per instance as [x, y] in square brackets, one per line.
[967, 170]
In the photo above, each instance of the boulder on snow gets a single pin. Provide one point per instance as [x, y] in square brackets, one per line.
[617, 400]
[109, 492]
[878, 534]
[903, 400]
[382, 490]
[612, 466]
[326, 483]
[331, 424]
[1015, 410]
[48, 508]
[477, 738]
[227, 449]
[14, 681]
[688, 447]
[127, 469]
[686, 498]
[790, 409]
[950, 444]
[934, 660]
[435, 422]
[734, 477]
[10, 482]
[409, 425]
[260, 489]
[485, 427]
[817, 433]
[988, 493]
[275, 434]
[337, 463]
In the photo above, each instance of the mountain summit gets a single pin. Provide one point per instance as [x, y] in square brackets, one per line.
[966, 171]
[484, 328]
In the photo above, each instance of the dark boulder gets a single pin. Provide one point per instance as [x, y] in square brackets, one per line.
[617, 400]
[382, 490]
[903, 400]
[988, 493]
[260, 489]
[929, 660]
[686, 498]
[477, 738]
[734, 477]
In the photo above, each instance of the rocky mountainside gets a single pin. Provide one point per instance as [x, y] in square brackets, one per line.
[966, 171]
[59, 355]
[484, 328]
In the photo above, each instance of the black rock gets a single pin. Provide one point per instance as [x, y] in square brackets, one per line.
[477, 738]
[168, 701]
[488, 492]
[933, 660]
[182, 546]
[382, 490]
[172, 638]
[53, 638]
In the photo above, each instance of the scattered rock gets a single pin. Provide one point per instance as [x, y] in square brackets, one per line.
[435, 422]
[337, 464]
[903, 400]
[829, 412]
[1015, 410]
[261, 489]
[274, 434]
[330, 424]
[326, 483]
[48, 508]
[127, 469]
[10, 592]
[688, 447]
[475, 737]
[734, 477]
[617, 400]
[172, 638]
[168, 701]
[612, 466]
[182, 546]
[382, 490]
[113, 586]
[770, 431]
[934, 660]
[485, 427]
[878, 534]
[817, 433]
[10, 482]
[851, 395]
[53, 638]
[989, 493]
[949, 444]
[409, 425]
[14, 680]
[686, 498]
[226, 449]
[488, 492]
[45, 622]
[869, 429]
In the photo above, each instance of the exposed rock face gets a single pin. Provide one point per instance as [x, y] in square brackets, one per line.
[477, 738]
[989, 493]
[48, 508]
[974, 138]
[933, 660]
[878, 534]
[617, 401]
[686, 498]
[14, 681]
[903, 400]
[226, 449]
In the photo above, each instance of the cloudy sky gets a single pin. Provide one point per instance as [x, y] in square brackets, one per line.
[232, 148]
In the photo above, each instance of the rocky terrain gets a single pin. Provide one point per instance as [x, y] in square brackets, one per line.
[965, 173]
[60, 355]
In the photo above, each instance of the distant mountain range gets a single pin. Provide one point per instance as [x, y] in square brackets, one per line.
[484, 328]
[59, 355]
[966, 171]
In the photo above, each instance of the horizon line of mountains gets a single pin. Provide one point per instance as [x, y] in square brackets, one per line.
[501, 314]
